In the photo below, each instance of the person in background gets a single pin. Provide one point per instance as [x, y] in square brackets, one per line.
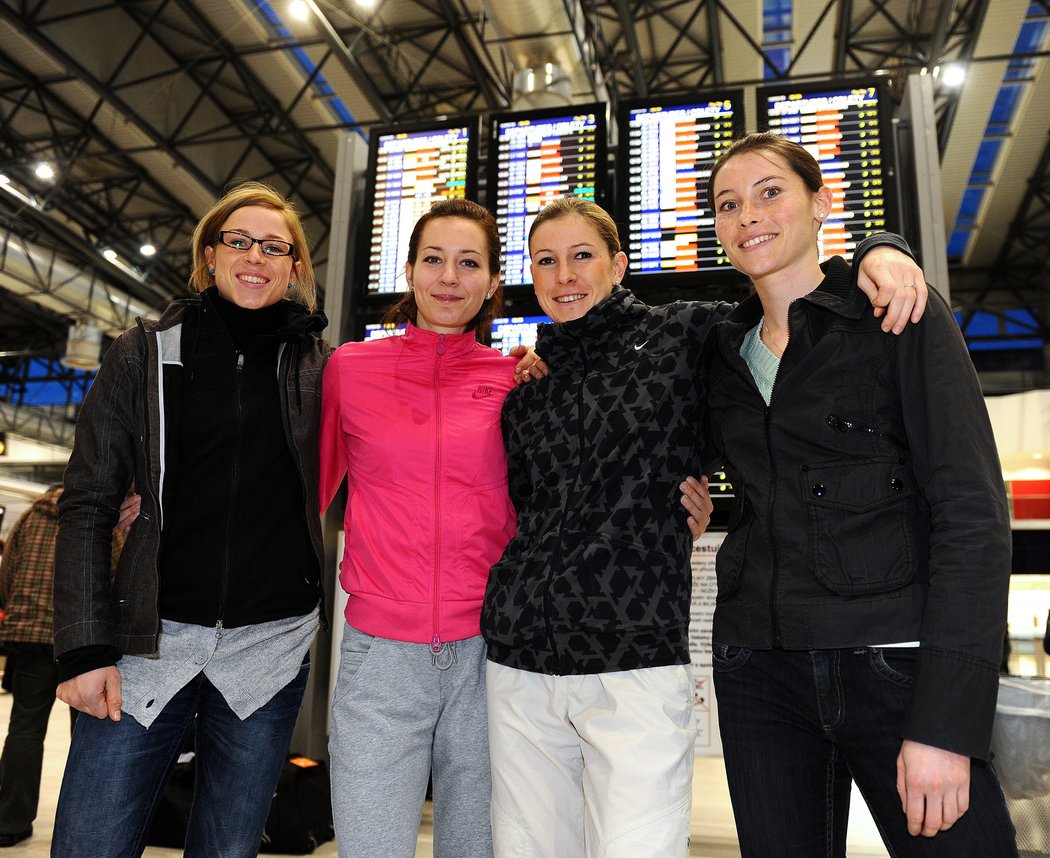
[586, 614]
[212, 413]
[862, 586]
[27, 575]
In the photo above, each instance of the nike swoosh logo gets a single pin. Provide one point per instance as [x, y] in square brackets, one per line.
[640, 346]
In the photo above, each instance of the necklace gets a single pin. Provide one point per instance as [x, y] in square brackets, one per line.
[769, 336]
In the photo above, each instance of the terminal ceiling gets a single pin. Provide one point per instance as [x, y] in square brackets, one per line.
[148, 109]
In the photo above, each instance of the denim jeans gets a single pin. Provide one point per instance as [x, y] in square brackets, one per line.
[34, 677]
[116, 773]
[798, 726]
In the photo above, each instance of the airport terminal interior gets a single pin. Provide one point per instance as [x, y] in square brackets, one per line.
[122, 123]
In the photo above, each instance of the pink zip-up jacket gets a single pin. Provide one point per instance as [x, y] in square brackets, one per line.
[414, 423]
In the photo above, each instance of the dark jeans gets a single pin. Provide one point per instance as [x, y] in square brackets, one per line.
[797, 727]
[34, 678]
[116, 772]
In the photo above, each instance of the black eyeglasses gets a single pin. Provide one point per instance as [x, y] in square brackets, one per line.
[269, 246]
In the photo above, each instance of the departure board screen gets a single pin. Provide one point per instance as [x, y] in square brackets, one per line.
[515, 331]
[667, 148]
[409, 170]
[535, 157]
[846, 128]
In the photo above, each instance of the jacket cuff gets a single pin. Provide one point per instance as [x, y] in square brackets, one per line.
[879, 239]
[85, 659]
[953, 703]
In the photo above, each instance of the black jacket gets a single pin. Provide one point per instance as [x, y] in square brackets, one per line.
[871, 505]
[122, 437]
[598, 578]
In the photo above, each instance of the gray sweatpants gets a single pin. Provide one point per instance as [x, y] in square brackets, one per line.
[399, 710]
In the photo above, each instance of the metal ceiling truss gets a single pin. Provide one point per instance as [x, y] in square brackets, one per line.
[186, 93]
[1022, 270]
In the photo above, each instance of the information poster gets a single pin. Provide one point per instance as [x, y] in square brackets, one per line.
[701, 616]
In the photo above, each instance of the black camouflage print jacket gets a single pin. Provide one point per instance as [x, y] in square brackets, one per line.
[598, 578]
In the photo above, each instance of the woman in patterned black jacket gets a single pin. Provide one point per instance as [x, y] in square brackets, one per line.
[586, 615]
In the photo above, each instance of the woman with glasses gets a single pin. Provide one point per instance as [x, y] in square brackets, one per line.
[211, 413]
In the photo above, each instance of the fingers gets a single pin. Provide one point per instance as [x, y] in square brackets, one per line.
[95, 693]
[895, 285]
[696, 498]
[934, 786]
[530, 367]
[129, 511]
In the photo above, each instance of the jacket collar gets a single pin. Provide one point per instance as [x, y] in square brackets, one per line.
[836, 293]
[602, 321]
[422, 340]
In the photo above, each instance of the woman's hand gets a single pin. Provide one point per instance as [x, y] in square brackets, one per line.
[530, 366]
[895, 285]
[129, 511]
[697, 501]
[934, 787]
[95, 693]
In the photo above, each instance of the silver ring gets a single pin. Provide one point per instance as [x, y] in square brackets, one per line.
[910, 286]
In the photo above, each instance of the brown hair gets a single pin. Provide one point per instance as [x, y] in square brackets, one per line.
[802, 164]
[304, 290]
[406, 310]
[574, 206]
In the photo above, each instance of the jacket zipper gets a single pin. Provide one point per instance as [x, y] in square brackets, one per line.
[435, 642]
[150, 487]
[239, 401]
[772, 497]
[556, 554]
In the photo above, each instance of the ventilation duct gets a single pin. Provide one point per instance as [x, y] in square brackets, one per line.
[84, 346]
[547, 85]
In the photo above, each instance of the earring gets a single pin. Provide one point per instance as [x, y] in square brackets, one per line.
[493, 292]
[291, 284]
[212, 270]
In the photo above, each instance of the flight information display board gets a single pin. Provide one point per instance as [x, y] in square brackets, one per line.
[667, 148]
[409, 169]
[537, 156]
[846, 127]
[515, 331]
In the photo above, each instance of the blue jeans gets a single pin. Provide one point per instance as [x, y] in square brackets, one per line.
[798, 727]
[116, 772]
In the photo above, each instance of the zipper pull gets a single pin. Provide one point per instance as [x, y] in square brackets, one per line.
[240, 361]
[441, 344]
[218, 630]
[435, 644]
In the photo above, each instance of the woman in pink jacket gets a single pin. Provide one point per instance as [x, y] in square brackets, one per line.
[414, 423]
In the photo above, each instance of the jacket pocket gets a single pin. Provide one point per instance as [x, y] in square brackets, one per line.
[861, 521]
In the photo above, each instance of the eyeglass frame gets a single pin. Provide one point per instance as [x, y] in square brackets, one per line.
[258, 241]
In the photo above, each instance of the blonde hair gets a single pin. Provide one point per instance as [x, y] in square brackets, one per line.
[304, 290]
[574, 206]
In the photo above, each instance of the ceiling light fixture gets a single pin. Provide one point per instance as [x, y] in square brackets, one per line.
[953, 75]
[44, 171]
[299, 10]
[147, 249]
